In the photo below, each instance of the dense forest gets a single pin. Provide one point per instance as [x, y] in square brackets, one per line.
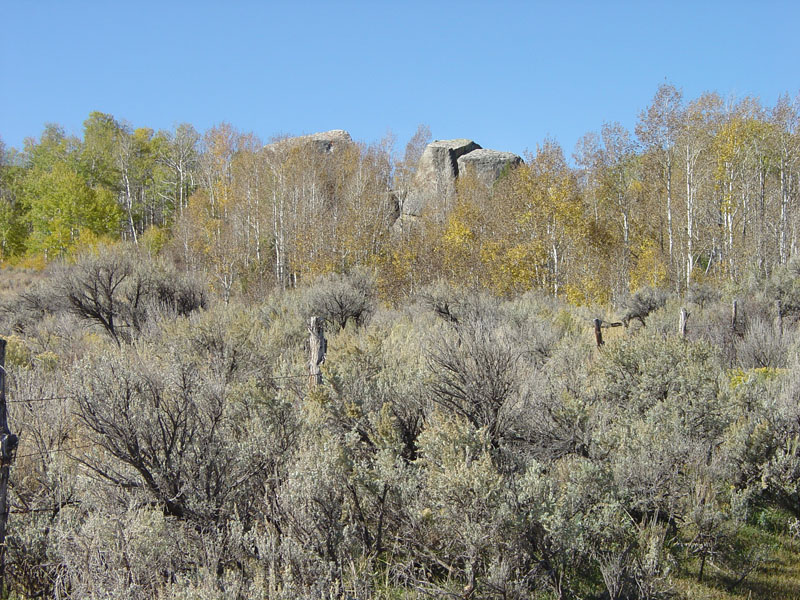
[461, 432]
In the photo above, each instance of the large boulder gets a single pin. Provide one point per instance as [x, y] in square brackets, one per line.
[487, 165]
[327, 141]
[436, 174]
[440, 165]
[323, 142]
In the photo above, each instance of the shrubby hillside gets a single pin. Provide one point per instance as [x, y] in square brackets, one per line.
[459, 444]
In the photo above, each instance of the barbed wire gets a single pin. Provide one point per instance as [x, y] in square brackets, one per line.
[26, 511]
[52, 450]
[62, 398]
[49, 399]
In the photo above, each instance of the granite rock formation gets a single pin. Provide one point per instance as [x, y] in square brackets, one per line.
[323, 142]
[487, 165]
[440, 165]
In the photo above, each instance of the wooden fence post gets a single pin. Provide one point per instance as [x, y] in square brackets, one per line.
[317, 348]
[598, 332]
[8, 444]
[599, 325]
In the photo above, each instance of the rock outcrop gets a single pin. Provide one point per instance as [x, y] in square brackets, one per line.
[440, 165]
[436, 174]
[487, 165]
[323, 142]
[434, 182]
[327, 141]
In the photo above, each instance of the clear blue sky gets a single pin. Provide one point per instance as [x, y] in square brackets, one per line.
[506, 74]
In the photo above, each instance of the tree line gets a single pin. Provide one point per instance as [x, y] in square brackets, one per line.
[703, 191]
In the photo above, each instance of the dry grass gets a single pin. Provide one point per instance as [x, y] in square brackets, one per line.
[776, 578]
[14, 280]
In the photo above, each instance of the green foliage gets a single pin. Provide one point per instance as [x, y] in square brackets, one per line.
[65, 212]
[12, 209]
[101, 134]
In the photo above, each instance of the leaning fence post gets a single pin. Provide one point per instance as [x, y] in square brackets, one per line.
[599, 325]
[8, 444]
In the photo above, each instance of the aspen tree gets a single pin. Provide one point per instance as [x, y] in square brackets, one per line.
[658, 131]
[786, 117]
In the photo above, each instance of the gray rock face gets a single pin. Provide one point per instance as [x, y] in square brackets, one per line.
[436, 173]
[323, 142]
[487, 165]
[434, 182]
[327, 141]
[442, 162]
